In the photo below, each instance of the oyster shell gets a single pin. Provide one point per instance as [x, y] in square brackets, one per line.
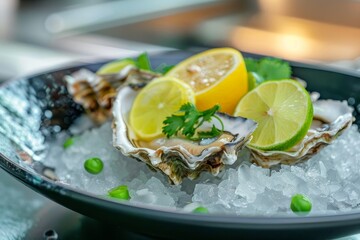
[331, 119]
[176, 157]
[96, 93]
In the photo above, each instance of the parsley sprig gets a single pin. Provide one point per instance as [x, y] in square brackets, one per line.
[187, 121]
[143, 62]
[268, 69]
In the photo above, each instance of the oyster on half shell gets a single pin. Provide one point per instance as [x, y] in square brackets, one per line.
[96, 93]
[331, 118]
[179, 158]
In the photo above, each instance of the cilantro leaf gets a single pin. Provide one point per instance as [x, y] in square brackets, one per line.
[274, 69]
[207, 114]
[188, 119]
[173, 125]
[266, 69]
[191, 118]
[188, 107]
[163, 68]
[191, 121]
[251, 64]
[214, 132]
[143, 62]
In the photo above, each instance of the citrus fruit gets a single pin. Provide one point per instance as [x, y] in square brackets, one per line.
[218, 76]
[283, 111]
[156, 101]
[254, 79]
[115, 66]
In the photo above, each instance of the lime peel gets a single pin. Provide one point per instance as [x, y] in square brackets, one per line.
[116, 66]
[275, 130]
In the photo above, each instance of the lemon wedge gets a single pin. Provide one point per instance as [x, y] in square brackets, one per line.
[156, 101]
[218, 76]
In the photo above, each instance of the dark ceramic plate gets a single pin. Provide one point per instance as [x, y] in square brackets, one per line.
[34, 109]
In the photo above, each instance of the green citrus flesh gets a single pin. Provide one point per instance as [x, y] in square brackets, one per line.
[254, 80]
[283, 111]
[115, 66]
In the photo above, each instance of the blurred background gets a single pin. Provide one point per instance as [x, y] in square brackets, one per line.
[39, 34]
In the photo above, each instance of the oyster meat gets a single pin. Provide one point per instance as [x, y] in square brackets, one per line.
[179, 158]
[331, 118]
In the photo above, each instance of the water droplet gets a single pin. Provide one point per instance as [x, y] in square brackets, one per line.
[48, 114]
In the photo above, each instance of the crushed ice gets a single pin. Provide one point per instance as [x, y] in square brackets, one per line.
[330, 179]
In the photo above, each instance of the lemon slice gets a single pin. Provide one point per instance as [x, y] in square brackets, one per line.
[115, 66]
[156, 101]
[283, 111]
[218, 76]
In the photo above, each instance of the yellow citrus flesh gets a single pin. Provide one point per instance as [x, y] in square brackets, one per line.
[218, 76]
[283, 111]
[156, 101]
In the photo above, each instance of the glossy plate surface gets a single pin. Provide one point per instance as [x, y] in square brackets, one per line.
[25, 127]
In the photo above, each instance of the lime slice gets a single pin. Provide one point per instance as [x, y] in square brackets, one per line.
[156, 101]
[283, 111]
[115, 66]
[254, 80]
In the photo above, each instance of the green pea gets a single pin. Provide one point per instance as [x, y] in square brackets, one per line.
[300, 204]
[120, 192]
[93, 165]
[200, 210]
[68, 142]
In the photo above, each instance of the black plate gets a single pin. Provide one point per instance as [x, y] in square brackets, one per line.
[27, 103]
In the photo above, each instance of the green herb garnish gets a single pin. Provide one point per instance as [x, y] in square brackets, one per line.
[143, 62]
[268, 69]
[163, 68]
[188, 119]
[252, 65]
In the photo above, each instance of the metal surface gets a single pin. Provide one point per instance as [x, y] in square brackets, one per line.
[48, 220]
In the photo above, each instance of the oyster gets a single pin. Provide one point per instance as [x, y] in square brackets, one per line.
[177, 157]
[96, 93]
[331, 118]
